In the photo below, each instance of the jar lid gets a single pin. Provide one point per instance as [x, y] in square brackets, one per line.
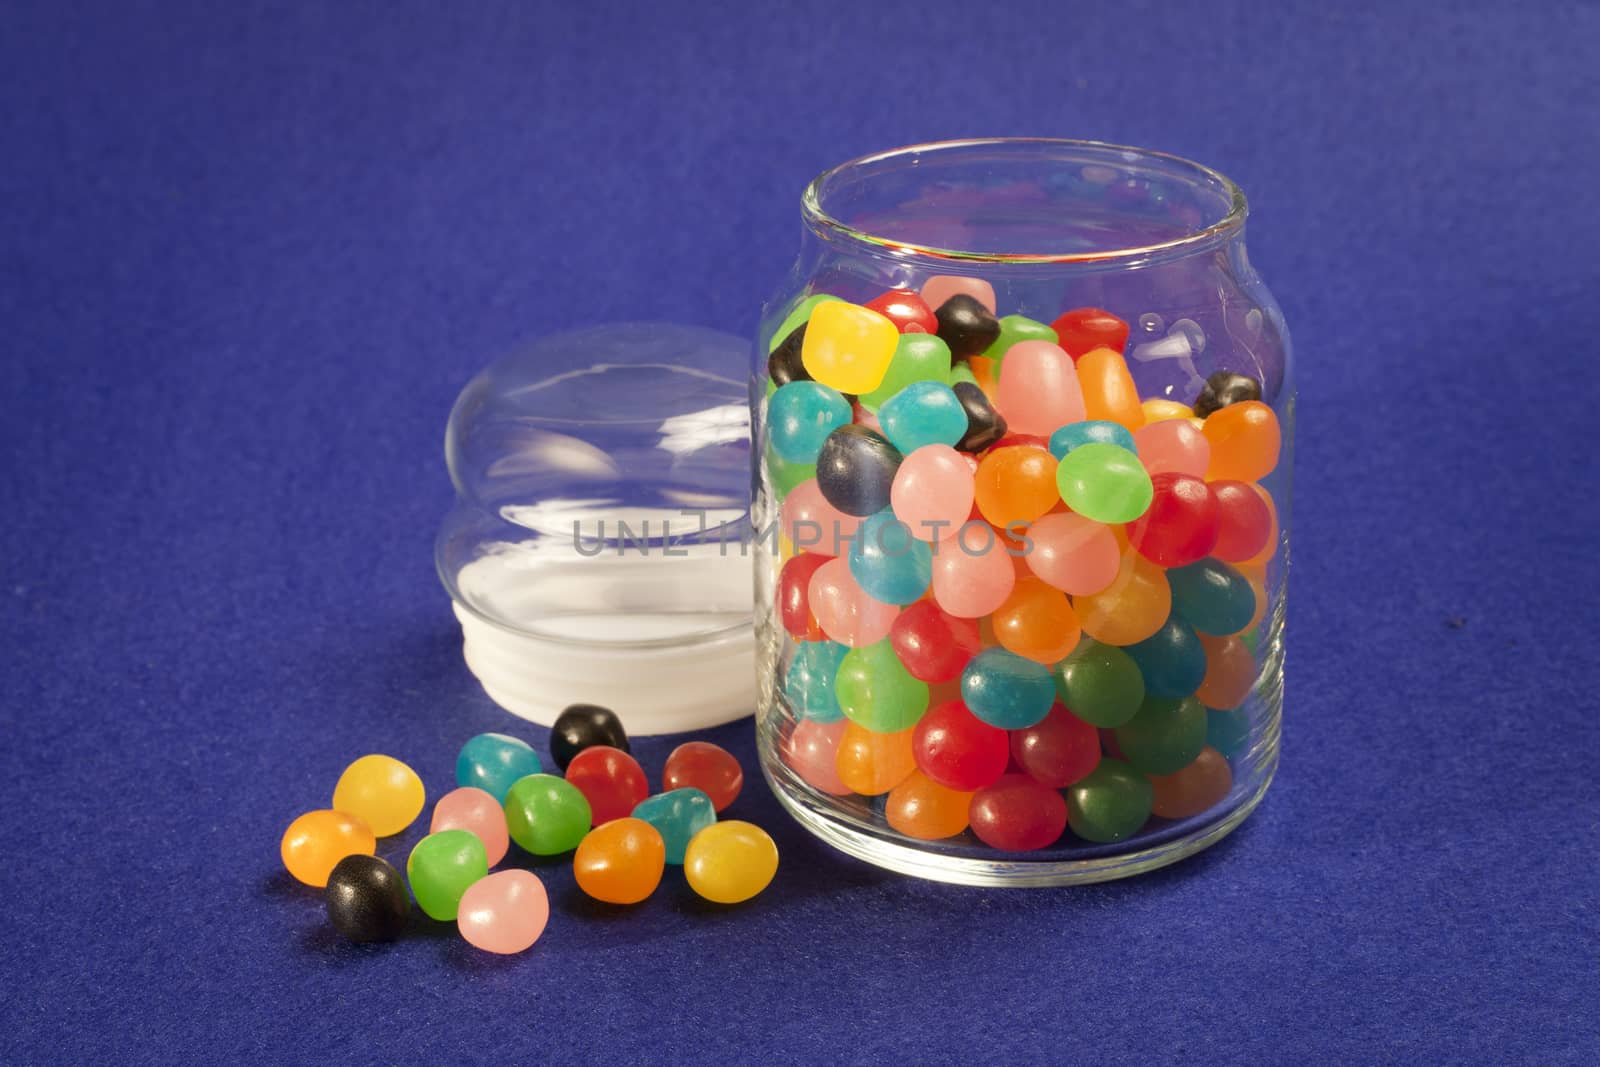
[599, 548]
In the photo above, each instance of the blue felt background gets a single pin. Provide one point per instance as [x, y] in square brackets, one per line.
[248, 253]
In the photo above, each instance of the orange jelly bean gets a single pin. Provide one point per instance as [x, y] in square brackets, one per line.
[1016, 484]
[1245, 440]
[871, 763]
[315, 843]
[1230, 672]
[1037, 622]
[1108, 390]
[1198, 787]
[922, 808]
[620, 862]
[1133, 607]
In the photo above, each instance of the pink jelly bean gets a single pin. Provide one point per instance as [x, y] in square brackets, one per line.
[1174, 445]
[942, 287]
[1078, 556]
[1039, 391]
[973, 573]
[844, 610]
[504, 912]
[932, 492]
[813, 524]
[475, 810]
[813, 752]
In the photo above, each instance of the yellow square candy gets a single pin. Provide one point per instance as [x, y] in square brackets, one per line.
[848, 347]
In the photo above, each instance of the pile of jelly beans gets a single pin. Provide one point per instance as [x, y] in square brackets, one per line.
[1018, 597]
[622, 838]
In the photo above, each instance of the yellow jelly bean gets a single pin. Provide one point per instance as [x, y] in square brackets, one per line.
[1158, 410]
[729, 862]
[848, 347]
[384, 792]
[315, 843]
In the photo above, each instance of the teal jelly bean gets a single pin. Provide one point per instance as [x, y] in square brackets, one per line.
[800, 313]
[1228, 731]
[1006, 690]
[808, 684]
[1100, 684]
[1090, 432]
[677, 815]
[918, 357]
[801, 415]
[1112, 803]
[923, 413]
[889, 563]
[1212, 597]
[1171, 661]
[493, 762]
[877, 693]
[1165, 736]
[1014, 328]
[1106, 483]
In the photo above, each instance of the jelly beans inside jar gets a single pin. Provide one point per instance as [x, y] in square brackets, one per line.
[1023, 419]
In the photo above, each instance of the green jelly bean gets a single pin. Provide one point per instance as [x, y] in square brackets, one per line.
[962, 372]
[801, 313]
[784, 476]
[1100, 684]
[1165, 736]
[876, 692]
[918, 357]
[1228, 731]
[1251, 640]
[441, 868]
[1014, 328]
[1110, 804]
[546, 815]
[1106, 483]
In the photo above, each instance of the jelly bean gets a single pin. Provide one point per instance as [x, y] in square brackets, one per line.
[966, 326]
[813, 752]
[888, 562]
[921, 808]
[1165, 735]
[709, 768]
[1083, 330]
[797, 318]
[784, 476]
[1175, 446]
[1131, 608]
[918, 357]
[972, 574]
[504, 913]
[793, 594]
[1230, 672]
[475, 810]
[1015, 328]
[871, 763]
[962, 372]
[907, 310]
[1076, 555]
[677, 815]
[1244, 523]
[441, 867]
[1100, 684]
[315, 843]
[620, 862]
[1225, 388]
[1104, 482]
[491, 762]
[1007, 691]
[1017, 814]
[1269, 549]
[1036, 622]
[1015, 485]
[1180, 526]
[1228, 731]
[985, 425]
[610, 780]
[933, 492]
[1159, 410]
[939, 289]
[1110, 804]
[856, 470]
[1245, 441]
[1200, 786]
[1171, 660]
[932, 644]
[1212, 596]
[1057, 750]
[381, 791]
[1038, 389]
[1108, 391]
[730, 862]
[813, 524]
[547, 815]
[1089, 432]
[877, 692]
[923, 413]
[808, 684]
[848, 347]
[783, 363]
[800, 416]
[580, 726]
[367, 899]
[957, 749]
[845, 611]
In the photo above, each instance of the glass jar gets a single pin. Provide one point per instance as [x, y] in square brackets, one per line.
[1022, 412]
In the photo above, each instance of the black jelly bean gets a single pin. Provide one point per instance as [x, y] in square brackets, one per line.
[584, 726]
[367, 899]
[856, 469]
[1224, 388]
[784, 365]
[985, 425]
[966, 326]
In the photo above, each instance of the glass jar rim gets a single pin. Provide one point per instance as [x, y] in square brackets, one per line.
[826, 225]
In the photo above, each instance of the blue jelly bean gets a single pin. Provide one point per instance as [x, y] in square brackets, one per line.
[923, 413]
[493, 762]
[677, 815]
[801, 415]
[1227, 731]
[1091, 432]
[1171, 660]
[892, 566]
[808, 685]
[1212, 597]
[1006, 690]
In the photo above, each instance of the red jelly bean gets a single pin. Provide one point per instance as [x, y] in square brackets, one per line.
[1244, 523]
[932, 645]
[1017, 814]
[908, 311]
[1180, 526]
[1083, 330]
[610, 780]
[794, 601]
[957, 749]
[1058, 750]
[709, 768]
